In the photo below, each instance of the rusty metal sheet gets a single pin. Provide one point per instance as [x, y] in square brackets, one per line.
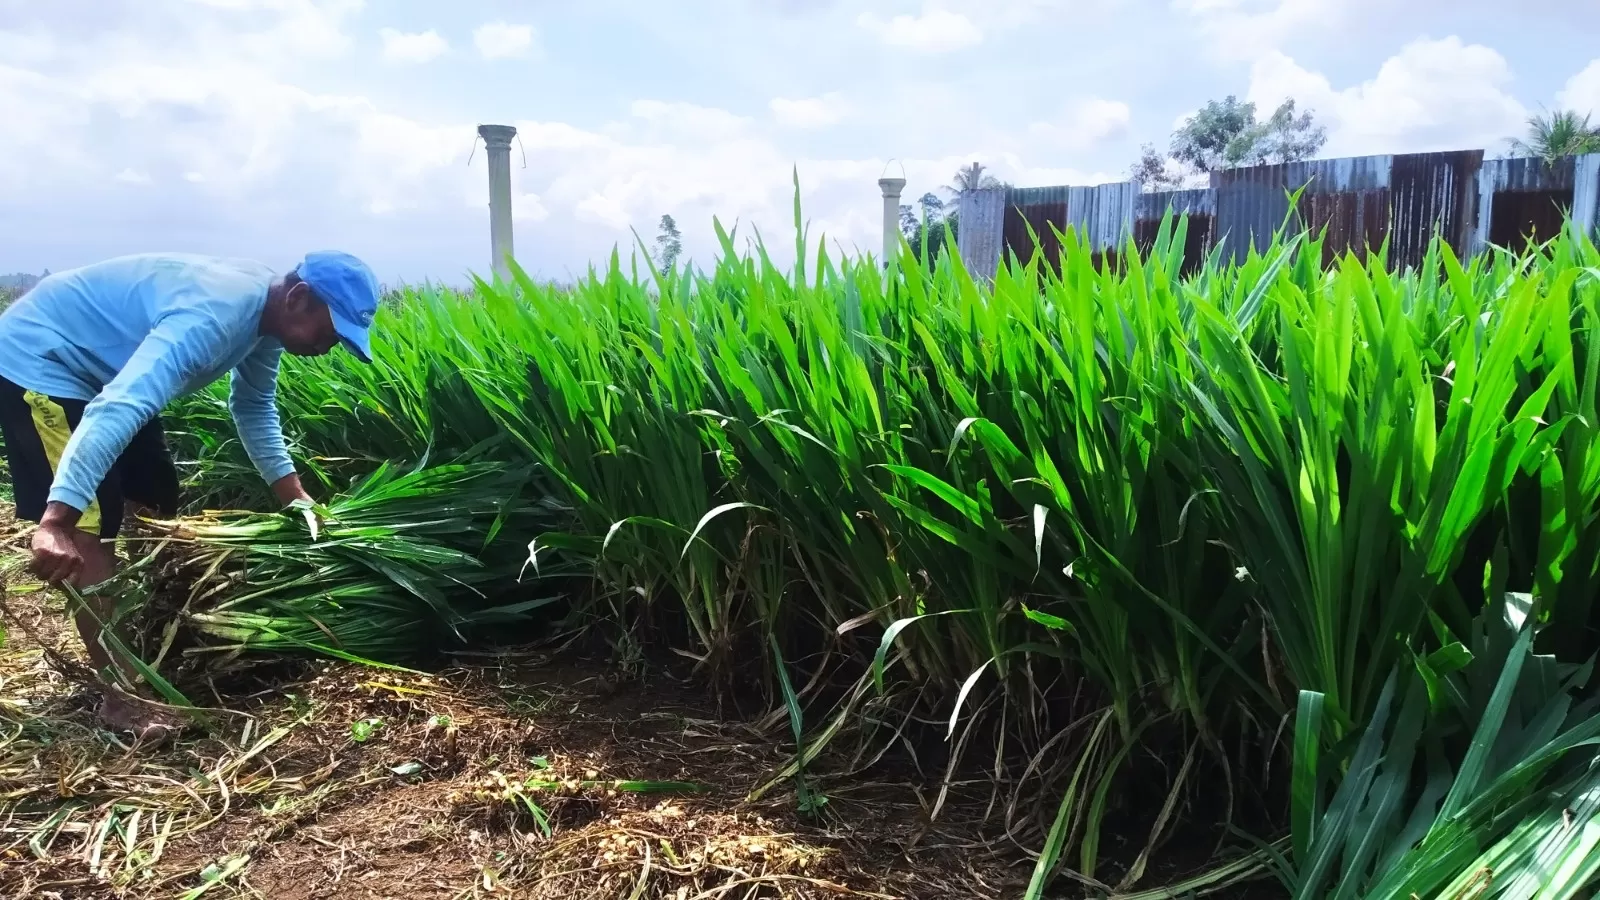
[1432, 193]
[1101, 214]
[1348, 221]
[981, 218]
[1360, 201]
[1253, 203]
[1527, 173]
[1154, 205]
[1199, 205]
[1520, 196]
[1031, 219]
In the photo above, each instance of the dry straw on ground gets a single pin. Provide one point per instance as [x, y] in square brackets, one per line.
[522, 777]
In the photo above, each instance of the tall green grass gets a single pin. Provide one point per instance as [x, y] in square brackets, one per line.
[1070, 515]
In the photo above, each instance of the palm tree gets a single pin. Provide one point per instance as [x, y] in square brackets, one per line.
[971, 177]
[1561, 133]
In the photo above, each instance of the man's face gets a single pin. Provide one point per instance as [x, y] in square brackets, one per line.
[308, 327]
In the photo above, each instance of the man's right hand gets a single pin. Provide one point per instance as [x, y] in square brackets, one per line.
[56, 557]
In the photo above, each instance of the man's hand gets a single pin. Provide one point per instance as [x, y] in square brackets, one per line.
[56, 557]
[288, 489]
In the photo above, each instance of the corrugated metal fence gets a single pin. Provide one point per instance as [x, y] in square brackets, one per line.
[1358, 202]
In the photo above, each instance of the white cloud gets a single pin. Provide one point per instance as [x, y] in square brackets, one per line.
[256, 152]
[1247, 30]
[528, 208]
[26, 48]
[936, 30]
[688, 120]
[810, 112]
[421, 47]
[307, 27]
[1432, 95]
[1582, 91]
[498, 40]
[1085, 123]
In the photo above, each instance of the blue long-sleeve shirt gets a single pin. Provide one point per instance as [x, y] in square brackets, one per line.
[131, 334]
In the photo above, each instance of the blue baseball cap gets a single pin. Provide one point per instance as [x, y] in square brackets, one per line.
[351, 291]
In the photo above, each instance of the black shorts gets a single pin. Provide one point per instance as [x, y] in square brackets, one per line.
[36, 429]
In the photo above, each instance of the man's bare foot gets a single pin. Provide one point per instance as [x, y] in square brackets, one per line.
[149, 724]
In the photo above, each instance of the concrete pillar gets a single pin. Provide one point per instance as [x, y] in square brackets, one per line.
[497, 143]
[891, 188]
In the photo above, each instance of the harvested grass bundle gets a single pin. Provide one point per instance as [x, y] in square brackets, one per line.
[403, 565]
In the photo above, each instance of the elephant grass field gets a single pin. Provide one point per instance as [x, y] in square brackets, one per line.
[1282, 570]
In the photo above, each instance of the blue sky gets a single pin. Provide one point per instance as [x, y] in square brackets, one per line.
[264, 128]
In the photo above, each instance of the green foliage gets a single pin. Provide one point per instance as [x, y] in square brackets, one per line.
[362, 730]
[1557, 134]
[669, 244]
[402, 564]
[1226, 133]
[933, 231]
[1476, 779]
[1153, 171]
[972, 177]
[1078, 514]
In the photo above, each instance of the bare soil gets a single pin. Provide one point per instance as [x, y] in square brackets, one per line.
[527, 774]
[523, 775]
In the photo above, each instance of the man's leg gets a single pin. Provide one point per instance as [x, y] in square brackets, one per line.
[36, 429]
[99, 564]
[146, 483]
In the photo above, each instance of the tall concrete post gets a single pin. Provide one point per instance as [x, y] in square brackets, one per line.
[891, 188]
[497, 143]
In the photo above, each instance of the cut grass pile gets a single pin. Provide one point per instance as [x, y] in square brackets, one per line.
[403, 565]
[1087, 530]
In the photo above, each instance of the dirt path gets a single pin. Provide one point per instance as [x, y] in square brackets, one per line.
[524, 776]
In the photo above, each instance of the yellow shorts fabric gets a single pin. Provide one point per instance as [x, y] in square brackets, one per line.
[50, 422]
[36, 429]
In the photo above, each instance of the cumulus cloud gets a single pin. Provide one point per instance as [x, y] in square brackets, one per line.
[420, 47]
[1582, 91]
[1432, 95]
[210, 106]
[26, 47]
[934, 30]
[810, 112]
[498, 40]
[1085, 123]
[251, 162]
[1246, 30]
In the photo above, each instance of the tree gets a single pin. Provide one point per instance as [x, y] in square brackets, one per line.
[927, 234]
[669, 244]
[971, 177]
[1226, 133]
[1557, 134]
[1153, 172]
[908, 221]
[1286, 137]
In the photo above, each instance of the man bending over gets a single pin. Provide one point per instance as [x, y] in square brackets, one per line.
[91, 356]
